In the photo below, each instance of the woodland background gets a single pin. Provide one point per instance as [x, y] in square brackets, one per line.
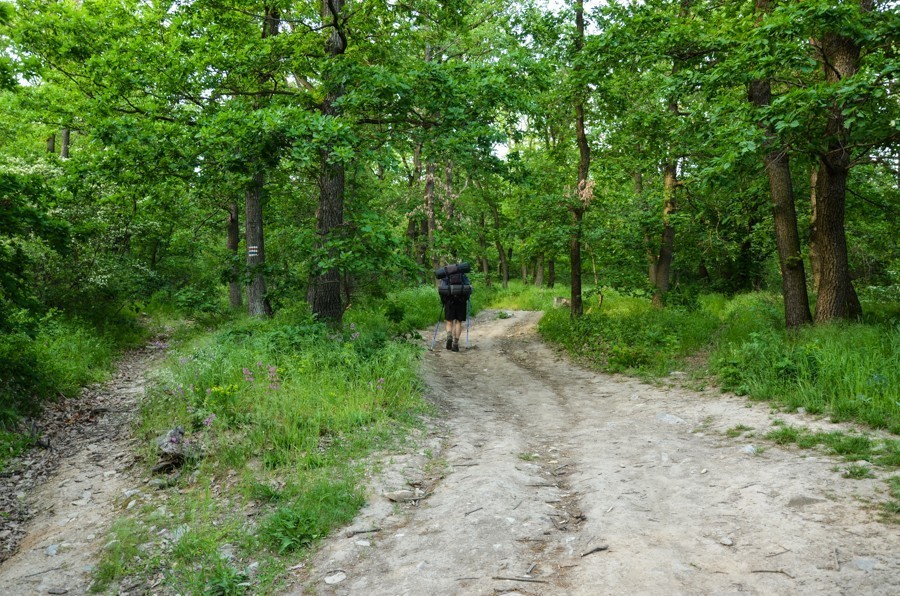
[713, 185]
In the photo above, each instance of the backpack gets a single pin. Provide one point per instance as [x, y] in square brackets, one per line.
[454, 283]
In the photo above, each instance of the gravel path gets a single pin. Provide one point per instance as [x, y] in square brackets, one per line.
[539, 477]
[62, 500]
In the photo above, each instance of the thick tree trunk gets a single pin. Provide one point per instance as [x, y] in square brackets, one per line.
[551, 273]
[325, 287]
[257, 305]
[539, 272]
[781, 190]
[663, 270]
[51, 144]
[235, 291]
[837, 298]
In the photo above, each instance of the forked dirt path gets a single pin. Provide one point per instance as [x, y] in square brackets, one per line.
[69, 493]
[534, 465]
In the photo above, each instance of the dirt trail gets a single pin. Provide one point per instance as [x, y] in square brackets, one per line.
[533, 463]
[86, 472]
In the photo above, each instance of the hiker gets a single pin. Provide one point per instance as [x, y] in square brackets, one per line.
[454, 290]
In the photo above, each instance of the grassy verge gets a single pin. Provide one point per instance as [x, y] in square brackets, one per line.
[278, 416]
[850, 372]
[57, 358]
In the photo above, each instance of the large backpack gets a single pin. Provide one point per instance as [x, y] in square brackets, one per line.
[454, 283]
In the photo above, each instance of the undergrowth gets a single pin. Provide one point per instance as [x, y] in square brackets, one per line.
[278, 414]
[849, 372]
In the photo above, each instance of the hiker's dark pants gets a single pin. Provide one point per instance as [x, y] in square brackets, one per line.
[455, 310]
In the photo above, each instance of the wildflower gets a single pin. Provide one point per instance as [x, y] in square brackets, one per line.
[355, 336]
[259, 364]
[209, 420]
[208, 391]
[274, 386]
[183, 360]
[352, 326]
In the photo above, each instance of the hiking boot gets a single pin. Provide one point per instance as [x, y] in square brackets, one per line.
[456, 346]
[449, 342]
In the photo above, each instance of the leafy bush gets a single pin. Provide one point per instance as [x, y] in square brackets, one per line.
[312, 515]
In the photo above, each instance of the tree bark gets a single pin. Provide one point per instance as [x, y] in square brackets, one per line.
[51, 144]
[583, 190]
[539, 272]
[429, 212]
[814, 261]
[551, 273]
[837, 298]
[64, 143]
[781, 191]
[235, 291]
[482, 242]
[325, 287]
[257, 305]
[663, 269]
[504, 265]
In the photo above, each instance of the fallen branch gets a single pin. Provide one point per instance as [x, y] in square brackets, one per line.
[521, 579]
[474, 510]
[352, 533]
[782, 571]
[596, 549]
[39, 572]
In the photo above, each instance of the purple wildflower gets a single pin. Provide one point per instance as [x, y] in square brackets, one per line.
[209, 420]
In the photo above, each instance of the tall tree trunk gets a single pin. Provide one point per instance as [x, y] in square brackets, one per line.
[64, 144]
[235, 291]
[663, 268]
[325, 287]
[504, 265]
[551, 272]
[482, 242]
[429, 212]
[781, 190]
[51, 144]
[583, 189]
[257, 305]
[837, 298]
[814, 261]
[539, 272]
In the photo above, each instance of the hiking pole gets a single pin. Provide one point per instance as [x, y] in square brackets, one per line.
[468, 317]
[436, 325]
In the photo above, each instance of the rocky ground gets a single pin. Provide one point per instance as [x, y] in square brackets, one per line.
[59, 498]
[539, 477]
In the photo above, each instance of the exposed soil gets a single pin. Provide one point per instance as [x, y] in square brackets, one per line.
[60, 500]
[539, 477]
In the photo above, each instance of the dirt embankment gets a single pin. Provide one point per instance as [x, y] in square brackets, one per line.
[542, 478]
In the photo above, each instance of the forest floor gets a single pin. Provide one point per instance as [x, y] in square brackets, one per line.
[536, 476]
[60, 500]
[540, 477]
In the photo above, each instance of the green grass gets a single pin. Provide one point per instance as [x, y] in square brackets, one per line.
[628, 335]
[737, 431]
[59, 357]
[891, 507]
[285, 412]
[849, 372]
[851, 447]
